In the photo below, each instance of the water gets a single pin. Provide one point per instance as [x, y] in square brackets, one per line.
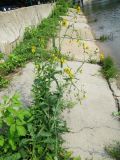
[106, 14]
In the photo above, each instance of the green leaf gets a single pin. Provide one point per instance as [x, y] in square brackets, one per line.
[20, 123]
[9, 120]
[1, 123]
[40, 150]
[1, 141]
[44, 134]
[21, 130]
[12, 129]
[11, 142]
[15, 156]
[48, 157]
[22, 114]
[77, 158]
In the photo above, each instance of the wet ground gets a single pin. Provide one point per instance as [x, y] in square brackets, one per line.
[104, 19]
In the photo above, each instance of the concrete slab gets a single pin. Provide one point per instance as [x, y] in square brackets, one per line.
[77, 30]
[74, 36]
[22, 83]
[75, 18]
[114, 83]
[116, 90]
[91, 123]
[75, 50]
[73, 12]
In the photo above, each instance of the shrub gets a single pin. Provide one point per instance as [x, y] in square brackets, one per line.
[103, 38]
[109, 69]
[13, 127]
[3, 82]
[114, 150]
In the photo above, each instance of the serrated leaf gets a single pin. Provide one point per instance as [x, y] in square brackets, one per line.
[19, 122]
[21, 130]
[13, 146]
[12, 129]
[9, 121]
[1, 141]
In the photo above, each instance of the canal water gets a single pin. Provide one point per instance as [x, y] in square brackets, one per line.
[104, 19]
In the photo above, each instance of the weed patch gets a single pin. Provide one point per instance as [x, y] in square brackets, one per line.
[113, 150]
[35, 133]
[109, 69]
[33, 37]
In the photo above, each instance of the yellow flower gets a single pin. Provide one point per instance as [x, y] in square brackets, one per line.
[65, 23]
[69, 72]
[33, 49]
[85, 46]
[102, 57]
[55, 58]
[78, 41]
[62, 60]
[78, 9]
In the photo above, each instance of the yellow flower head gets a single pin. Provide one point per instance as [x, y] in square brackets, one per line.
[65, 23]
[33, 49]
[85, 46]
[69, 72]
[78, 41]
[62, 60]
[102, 57]
[78, 9]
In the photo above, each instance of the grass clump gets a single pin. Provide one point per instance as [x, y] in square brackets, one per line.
[113, 150]
[109, 68]
[103, 38]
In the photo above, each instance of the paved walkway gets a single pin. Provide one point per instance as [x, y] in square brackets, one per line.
[91, 123]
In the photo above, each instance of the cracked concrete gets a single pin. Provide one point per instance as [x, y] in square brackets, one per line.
[21, 83]
[91, 123]
[74, 36]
